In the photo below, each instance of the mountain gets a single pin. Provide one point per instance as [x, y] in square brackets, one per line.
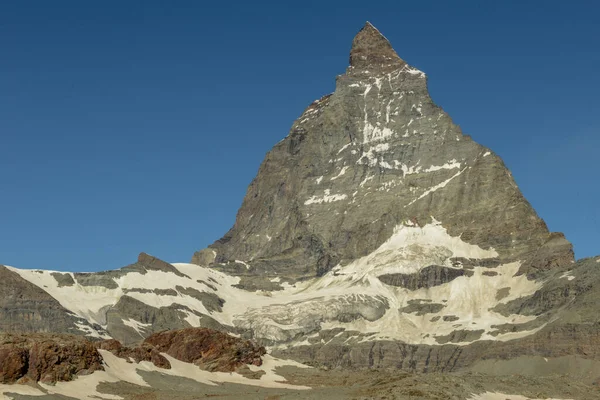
[366, 160]
[375, 235]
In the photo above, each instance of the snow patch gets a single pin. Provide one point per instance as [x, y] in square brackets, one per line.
[326, 198]
[372, 133]
[120, 370]
[138, 326]
[503, 396]
[568, 275]
[452, 164]
[342, 172]
[436, 187]
[372, 155]
[89, 331]
[23, 390]
[245, 264]
[364, 181]
[344, 148]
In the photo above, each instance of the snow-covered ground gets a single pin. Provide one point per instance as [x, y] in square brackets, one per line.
[353, 288]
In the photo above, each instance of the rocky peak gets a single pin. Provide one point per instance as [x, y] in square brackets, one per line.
[371, 50]
[362, 163]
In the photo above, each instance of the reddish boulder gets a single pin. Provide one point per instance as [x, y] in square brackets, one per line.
[46, 357]
[144, 352]
[209, 349]
[13, 363]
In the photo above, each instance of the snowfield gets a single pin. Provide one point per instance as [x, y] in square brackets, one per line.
[352, 289]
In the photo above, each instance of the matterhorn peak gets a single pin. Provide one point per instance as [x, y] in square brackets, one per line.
[370, 49]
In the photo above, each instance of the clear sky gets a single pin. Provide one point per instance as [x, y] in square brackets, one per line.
[129, 126]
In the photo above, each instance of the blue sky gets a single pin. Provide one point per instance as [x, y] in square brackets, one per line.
[137, 126]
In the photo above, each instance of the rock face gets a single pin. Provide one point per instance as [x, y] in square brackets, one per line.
[143, 352]
[46, 357]
[207, 348]
[427, 277]
[359, 162]
[25, 307]
[50, 358]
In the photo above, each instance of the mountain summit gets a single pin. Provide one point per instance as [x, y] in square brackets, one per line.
[366, 160]
[370, 49]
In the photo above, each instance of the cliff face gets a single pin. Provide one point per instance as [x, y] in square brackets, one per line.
[373, 155]
[25, 307]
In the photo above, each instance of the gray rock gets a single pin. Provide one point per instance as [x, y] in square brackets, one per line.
[211, 301]
[462, 335]
[433, 275]
[153, 320]
[160, 292]
[25, 307]
[144, 264]
[63, 279]
[422, 308]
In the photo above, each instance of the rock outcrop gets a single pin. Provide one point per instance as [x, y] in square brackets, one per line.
[47, 358]
[50, 358]
[209, 349]
[25, 307]
[143, 352]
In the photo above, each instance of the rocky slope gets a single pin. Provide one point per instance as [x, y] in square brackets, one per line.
[25, 307]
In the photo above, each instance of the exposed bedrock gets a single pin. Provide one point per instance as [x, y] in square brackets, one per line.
[581, 341]
[51, 358]
[209, 349]
[433, 275]
[131, 320]
[46, 357]
[24, 307]
[422, 307]
[106, 279]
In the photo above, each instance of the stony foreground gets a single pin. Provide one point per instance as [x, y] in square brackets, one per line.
[362, 385]
[51, 358]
